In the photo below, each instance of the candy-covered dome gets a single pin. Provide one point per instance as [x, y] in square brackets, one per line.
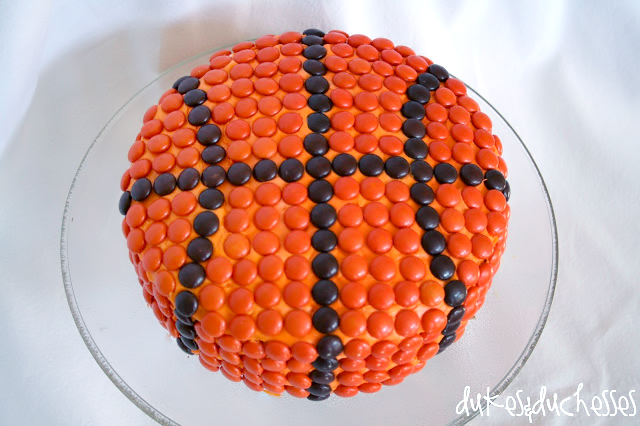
[315, 213]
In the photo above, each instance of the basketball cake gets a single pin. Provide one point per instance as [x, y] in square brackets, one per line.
[315, 213]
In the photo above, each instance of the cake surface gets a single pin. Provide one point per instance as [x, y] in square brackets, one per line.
[315, 213]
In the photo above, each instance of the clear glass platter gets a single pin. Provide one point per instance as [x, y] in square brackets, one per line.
[141, 359]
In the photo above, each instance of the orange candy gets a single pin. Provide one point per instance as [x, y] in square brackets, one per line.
[290, 146]
[381, 296]
[354, 267]
[372, 188]
[159, 143]
[183, 138]
[439, 151]
[269, 105]
[496, 223]
[242, 327]
[495, 200]
[472, 197]
[487, 159]
[296, 294]
[348, 364]
[342, 120]
[459, 245]
[140, 168]
[267, 194]
[379, 324]
[213, 324]
[346, 188]
[237, 220]
[447, 195]
[406, 73]
[291, 82]
[445, 97]
[407, 293]
[437, 130]
[436, 112]
[212, 297]
[407, 323]
[434, 320]
[296, 217]
[179, 230]
[293, 194]
[240, 300]
[136, 215]
[353, 323]
[165, 283]
[390, 101]
[297, 268]
[459, 115]
[266, 242]
[222, 113]
[365, 143]
[151, 128]
[297, 242]
[366, 101]
[366, 123]
[351, 240]
[239, 129]
[290, 122]
[407, 241]
[383, 268]
[340, 141]
[353, 295]
[270, 268]
[350, 215]
[341, 97]
[219, 270]
[294, 101]
[304, 352]
[379, 240]
[396, 191]
[462, 153]
[266, 218]
[299, 380]
[163, 162]
[357, 349]
[269, 322]
[267, 295]
[298, 323]
[174, 257]
[468, 272]
[174, 120]
[376, 214]
[171, 102]
[483, 138]
[481, 246]
[431, 293]
[184, 203]
[349, 379]
[238, 150]
[188, 157]
[401, 215]
[152, 259]
[475, 220]
[244, 272]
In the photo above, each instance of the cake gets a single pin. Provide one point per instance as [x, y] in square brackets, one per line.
[315, 213]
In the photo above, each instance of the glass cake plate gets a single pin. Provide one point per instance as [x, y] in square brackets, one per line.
[142, 360]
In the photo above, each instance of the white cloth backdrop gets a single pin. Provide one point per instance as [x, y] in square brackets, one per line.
[564, 73]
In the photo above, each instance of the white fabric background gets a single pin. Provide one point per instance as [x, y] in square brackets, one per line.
[564, 73]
